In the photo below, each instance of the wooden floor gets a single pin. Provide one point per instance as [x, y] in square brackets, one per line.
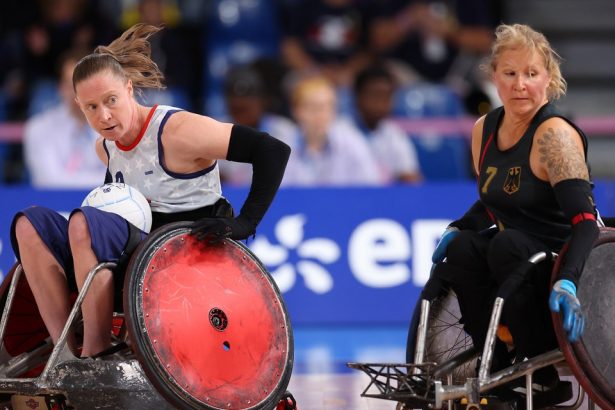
[321, 380]
[334, 391]
[342, 392]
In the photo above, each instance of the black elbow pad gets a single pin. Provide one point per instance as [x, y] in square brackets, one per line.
[576, 199]
[268, 157]
[246, 144]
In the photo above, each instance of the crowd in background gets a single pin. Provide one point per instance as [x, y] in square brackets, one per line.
[325, 76]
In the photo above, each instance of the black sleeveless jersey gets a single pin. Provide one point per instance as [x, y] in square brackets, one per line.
[514, 196]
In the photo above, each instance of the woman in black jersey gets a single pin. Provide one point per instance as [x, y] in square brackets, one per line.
[534, 186]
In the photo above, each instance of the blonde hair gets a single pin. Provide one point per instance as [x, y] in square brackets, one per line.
[520, 36]
[128, 56]
[306, 86]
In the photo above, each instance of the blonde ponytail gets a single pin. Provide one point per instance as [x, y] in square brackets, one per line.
[128, 56]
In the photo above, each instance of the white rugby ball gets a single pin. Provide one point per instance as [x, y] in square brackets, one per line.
[123, 200]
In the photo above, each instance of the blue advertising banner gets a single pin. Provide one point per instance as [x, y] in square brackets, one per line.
[354, 255]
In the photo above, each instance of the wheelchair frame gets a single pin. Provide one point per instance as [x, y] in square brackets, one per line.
[417, 386]
[121, 381]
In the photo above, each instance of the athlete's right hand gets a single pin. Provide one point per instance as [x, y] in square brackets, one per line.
[215, 229]
[440, 253]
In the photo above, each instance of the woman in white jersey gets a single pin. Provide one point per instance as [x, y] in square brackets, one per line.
[167, 154]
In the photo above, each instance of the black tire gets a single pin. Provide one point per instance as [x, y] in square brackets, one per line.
[589, 358]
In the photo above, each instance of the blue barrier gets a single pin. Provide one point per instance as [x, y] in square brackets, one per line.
[357, 255]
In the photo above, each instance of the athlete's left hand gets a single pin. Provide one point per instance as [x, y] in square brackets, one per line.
[216, 229]
[564, 297]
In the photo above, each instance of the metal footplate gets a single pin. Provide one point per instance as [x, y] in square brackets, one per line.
[89, 384]
[77, 383]
[220, 338]
[411, 384]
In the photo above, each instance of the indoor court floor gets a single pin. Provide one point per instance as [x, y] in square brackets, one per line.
[322, 381]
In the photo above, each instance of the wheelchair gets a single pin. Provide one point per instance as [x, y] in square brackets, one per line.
[445, 370]
[204, 327]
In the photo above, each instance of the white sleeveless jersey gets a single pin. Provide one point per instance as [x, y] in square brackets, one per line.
[141, 165]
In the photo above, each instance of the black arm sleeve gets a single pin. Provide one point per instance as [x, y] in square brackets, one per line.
[576, 199]
[476, 218]
[268, 157]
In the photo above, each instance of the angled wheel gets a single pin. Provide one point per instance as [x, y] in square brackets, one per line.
[207, 322]
[590, 358]
[446, 337]
[25, 336]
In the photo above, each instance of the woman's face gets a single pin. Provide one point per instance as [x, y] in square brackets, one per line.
[108, 104]
[315, 111]
[521, 79]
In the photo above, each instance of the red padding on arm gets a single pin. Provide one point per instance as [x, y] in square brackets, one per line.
[583, 216]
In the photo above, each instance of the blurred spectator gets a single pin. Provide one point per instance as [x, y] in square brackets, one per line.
[240, 32]
[246, 101]
[14, 17]
[436, 40]
[59, 144]
[326, 36]
[331, 151]
[374, 89]
[177, 50]
[34, 34]
[62, 25]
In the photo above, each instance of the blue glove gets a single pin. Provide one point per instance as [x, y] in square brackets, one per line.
[440, 253]
[564, 297]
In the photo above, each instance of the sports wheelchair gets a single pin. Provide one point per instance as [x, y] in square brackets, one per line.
[443, 374]
[204, 327]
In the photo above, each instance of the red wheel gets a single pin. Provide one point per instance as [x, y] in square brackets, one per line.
[25, 334]
[589, 358]
[207, 322]
[25, 329]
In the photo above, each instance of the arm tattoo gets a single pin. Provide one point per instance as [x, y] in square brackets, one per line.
[561, 156]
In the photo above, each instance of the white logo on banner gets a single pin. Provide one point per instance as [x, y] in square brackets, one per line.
[380, 253]
[313, 253]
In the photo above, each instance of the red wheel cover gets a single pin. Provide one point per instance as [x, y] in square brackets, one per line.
[25, 328]
[215, 322]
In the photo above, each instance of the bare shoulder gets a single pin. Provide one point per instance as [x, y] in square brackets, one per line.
[197, 135]
[477, 128]
[560, 151]
[477, 136]
[186, 120]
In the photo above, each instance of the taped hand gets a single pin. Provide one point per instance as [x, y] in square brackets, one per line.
[564, 297]
[440, 253]
[216, 229]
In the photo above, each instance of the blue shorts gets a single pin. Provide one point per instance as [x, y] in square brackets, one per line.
[110, 235]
